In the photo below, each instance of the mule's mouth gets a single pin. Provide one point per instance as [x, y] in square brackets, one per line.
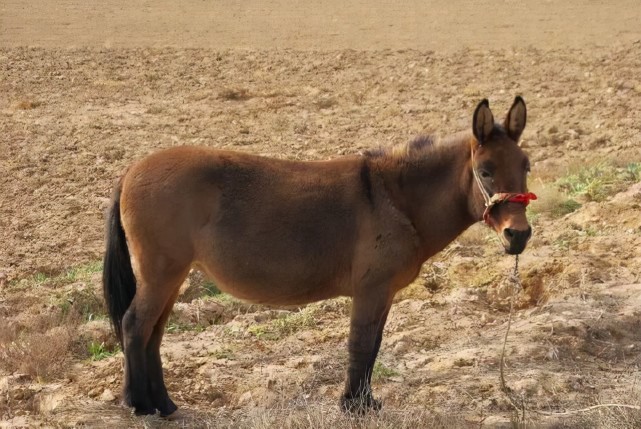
[515, 240]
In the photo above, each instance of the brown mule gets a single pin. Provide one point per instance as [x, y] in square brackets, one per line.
[288, 232]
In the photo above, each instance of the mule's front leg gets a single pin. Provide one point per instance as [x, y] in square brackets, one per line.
[366, 330]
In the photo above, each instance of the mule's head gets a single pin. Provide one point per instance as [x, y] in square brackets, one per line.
[499, 170]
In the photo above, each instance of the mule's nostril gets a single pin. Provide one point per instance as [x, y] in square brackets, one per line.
[509, 233]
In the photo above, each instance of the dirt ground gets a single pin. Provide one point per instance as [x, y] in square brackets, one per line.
[86, 89]
[320, 25]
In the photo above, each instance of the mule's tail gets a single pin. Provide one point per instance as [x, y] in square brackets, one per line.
[118, 280]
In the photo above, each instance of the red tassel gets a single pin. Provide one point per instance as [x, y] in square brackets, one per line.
[523, 198]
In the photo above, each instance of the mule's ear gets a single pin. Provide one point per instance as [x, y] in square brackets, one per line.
[515, 119]
[483, 121]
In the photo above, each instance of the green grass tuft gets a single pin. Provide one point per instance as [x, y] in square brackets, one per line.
[565, 207]
[99, 351]
[176, 327]
[382, 372]
[600, 181]
[82, 272]
[285, 325]
[210, 288]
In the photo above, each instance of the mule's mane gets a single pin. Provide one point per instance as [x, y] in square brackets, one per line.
[404, 151]
[422, 145]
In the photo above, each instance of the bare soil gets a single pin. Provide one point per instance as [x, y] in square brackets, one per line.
[320, 25]
[86, 89]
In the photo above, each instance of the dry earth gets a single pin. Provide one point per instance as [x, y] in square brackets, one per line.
[83, 93]
[320, 25]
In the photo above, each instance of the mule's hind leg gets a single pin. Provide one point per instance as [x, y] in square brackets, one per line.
[367, 322]
[158, 283]
[136, 330]
[157, 389]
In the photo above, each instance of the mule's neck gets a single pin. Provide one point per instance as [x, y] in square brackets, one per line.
[436, 192]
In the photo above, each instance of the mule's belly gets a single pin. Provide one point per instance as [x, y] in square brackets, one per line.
[280, 240]
[267, 291]
[277, 271]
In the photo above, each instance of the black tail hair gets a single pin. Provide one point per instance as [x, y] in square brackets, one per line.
[118, 280]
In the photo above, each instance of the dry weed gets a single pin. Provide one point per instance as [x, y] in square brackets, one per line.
[619, 417]
[196, 286]
[286, 416]
[325, 102]
[358, 97]
[551, 201]
[235, 94]
[537, 291]
[38, 355]
[476, 235]
[27, 104]
[83, 303]
[602, 413]
[280, 124]
[328, 416]
[8, 333]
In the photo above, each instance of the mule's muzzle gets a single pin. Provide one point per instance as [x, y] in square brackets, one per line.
[516, 240]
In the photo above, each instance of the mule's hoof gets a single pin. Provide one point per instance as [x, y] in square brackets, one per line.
[360, 404]
[140, 411]
[168, 409]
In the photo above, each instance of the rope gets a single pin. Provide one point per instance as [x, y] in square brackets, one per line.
[518, 403]
[486, 196]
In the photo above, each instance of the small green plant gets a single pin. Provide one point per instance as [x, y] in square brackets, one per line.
[552, 202]
[82, 303]
[566, 240]
[210, 288]
[223, 353]
[598, 182]
[381, 372]
[261, 331]
[589, 182]
[632, 172]
[566, 207]
[81, 272]
[233, 306]
[40, 278]
[285, 325]
[98, 351]
[73, 274]
[175, 327]
[65, 307]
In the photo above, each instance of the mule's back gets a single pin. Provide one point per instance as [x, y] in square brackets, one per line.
[267, 230]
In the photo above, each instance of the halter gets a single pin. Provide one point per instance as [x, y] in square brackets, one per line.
[499, 197]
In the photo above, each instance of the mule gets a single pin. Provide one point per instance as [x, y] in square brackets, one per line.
[287, 232]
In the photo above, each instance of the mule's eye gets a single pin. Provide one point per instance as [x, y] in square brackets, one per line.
[486, 174]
